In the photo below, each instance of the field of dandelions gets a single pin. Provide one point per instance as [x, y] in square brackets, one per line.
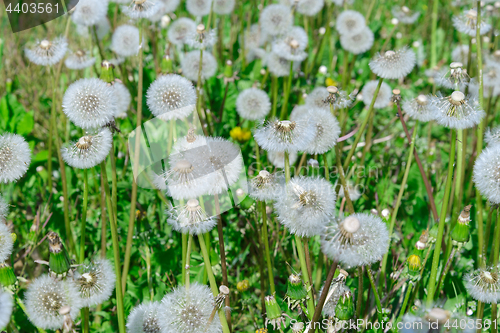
[204, 166]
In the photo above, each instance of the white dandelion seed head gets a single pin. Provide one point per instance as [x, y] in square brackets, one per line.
[457, 111]
[89, 151]
[190, 65]
[318, 98]
[327, 130]
[354, 193]
[189, 141]
[405, 15]
[253, 104]
[141, 9]
[358, 240]
[202, 38]
[306, 206]
[103, 28]
[299, 111]
[160, 12]
[6, 305]
[171, 97]
[456, 76]
[224, 7]
[486, 174]
[89, 12]
[467, 23]
[190, 218]
[4, 209]
[285, 135]
[491, 76]
[95, 282]
[393, 64]
[267, 186]
[359, 42]
[79, 60]
[46, 52]
[292, 44]
[341, 2]
[188, 310]
[277, 158]
[15, 157]
[170, 5]
[430, 319]
[491, 137]
[123, 99]
[125, 41]
[255, 37]
[384, 95]
[310, 7]
[461, 54]
[275, 19]
[279, 66]
[350, 22]
[144, 319]
[199, 7]
[484, 284]
[6, 242]
[419, 108]
[89, 103]
[46, 296]
[180, 30]
[337, 289]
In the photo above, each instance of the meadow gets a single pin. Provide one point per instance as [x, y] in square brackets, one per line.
[204, 166]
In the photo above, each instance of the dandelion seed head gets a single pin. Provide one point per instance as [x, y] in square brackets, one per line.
[306, 206]
[171, 97]
[484, 284]
[292, 44]
[95, 282]
[275, 19]
[125, 41]
[223, 7]
[6, 242]
[457, 111]
[279, 66]
[253, 104]
[350, 22]
[405, 15]
[89, 12]
[139, 9]
[4, 209]
[310, 7]
[180, 30]
[358, 240]
[337, 289]
[384, 95]
[318, 98]
[267, 186]
[144, 319]
[190, 218]
[6, 305]
[79, 60]
[285, 135]
[359, 42]
[486, 173]
[491, 137]
[190, 65]
[15, 157]
[202, 38]
[89, 151]
[419, 108]
[46, 296]
[123, 99]
[47, 53]
[327, 130]
[198, 7]
[467, 23]
[89, 103]
[277, 158]
[393, 64]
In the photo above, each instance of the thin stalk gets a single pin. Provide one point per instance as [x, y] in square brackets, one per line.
[343, 182]
[188, 260]
[319, 270]
[458, 180]
[287, 85]
[480, 314]
[434, 19]
[305, 275]
[405, 301]
[83, 225]
[274, 97]
[496, 243]
[86, 323]
[375, 292]
[359, 305]
[133, 200]
[398, 200]
[265, 240]
[437, 249]
[104, 225]
[211, 279]
[494, 316]
[446, 270]
[114, 182]
[184, 252]
[363, 126]
[116, 250]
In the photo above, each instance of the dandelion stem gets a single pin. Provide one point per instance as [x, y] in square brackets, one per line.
[458, 180]
[446, 270]
[188, 260]
[442, 219]
[265, 240]
[86, 318]
[287, 167]
[375, 292]
[343, 182]
[84, 214]
[480, 314]
[133, 200]
[363, 125]
[305, 274]
[116, 250]
[405, 301]
[434, 18]
[274, 93]
[184, 252]
[114, 190]
[359, 305]
[287, 85]
[496, 242]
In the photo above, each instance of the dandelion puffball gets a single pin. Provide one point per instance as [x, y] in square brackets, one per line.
[419, 108]
[46, 52]
[6, 305]
[383, 97]
[89, 151]
[190, 65]
[4, 209]
[125, 41]
[15, 157]
[142, 9]
[199, 7]
[89, 12]
[359, 42]
[79, 60]
[292, 44]
[277, 158]
[492, 136]
[144, 319]
[171, 97]
[350, 22]
[223, 7]
[275, 19]
[285, 135]
[486, 173]
[6, 242]
[467, 23]
[405, 15]
[46, 296]
[190, 218]
[309, 7]
[393, 64]
[306, 206]
[357, 240]
[180, 30]
[122, 97]
[327, 131]
[89, 103]
[457, 111]
[253, 104]
[483, 284]
[266, 186]
[95, 282]
[279, 66]
[187, 310]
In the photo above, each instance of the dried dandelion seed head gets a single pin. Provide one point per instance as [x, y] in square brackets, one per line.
[15, 157]
[79, 60]
[350, 22]
[125, 41]
[405, 15]
[139, 9]
[190, 65]
[191, 218]
[203, 38]
[456, 111]
[484, 284]
[358, 42]
[6, 306]
[144, 319]
[486, 173]
[292, 44]
[393, 64]
[419, 108]
[277, 158]
[253, 104]
[199, 7]
[467, 23]
[456, 77]
[6, 242]
[492, 136]
[306, 206]
[123, 99]
[46, 52]
[358, 240]
[89, 151]
[95, 282]
[267, 186]
[285, 135]
[384, 95]
[180, 30]
[224, 7]
[89, 12]
[279, 66]
[275, 19]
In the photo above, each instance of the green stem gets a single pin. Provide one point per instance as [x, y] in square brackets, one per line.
[116, 250]
[305, 275]
[84, 214]
[494, 316]
[434, 18]
[287, 167]
[359, 306]
[458, 181]
[86, 320]
[265, 240]
[184, 252]
[287, 85]
[445, 271]
[274, 93]
[114, 190]
[480, 314]
[375, 292]
[343, 182]
[405, 301]
[188, 260]
[437, 249]
[496, 242]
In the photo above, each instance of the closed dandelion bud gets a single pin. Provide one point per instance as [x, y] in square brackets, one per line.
[274, 316]
[296, 293]
[228, 69]
[345, 307]
[167, 65]
[107, 72]
[414, 264]
[7, 276]
[242, 285]
[461, 231]
[58, 260]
